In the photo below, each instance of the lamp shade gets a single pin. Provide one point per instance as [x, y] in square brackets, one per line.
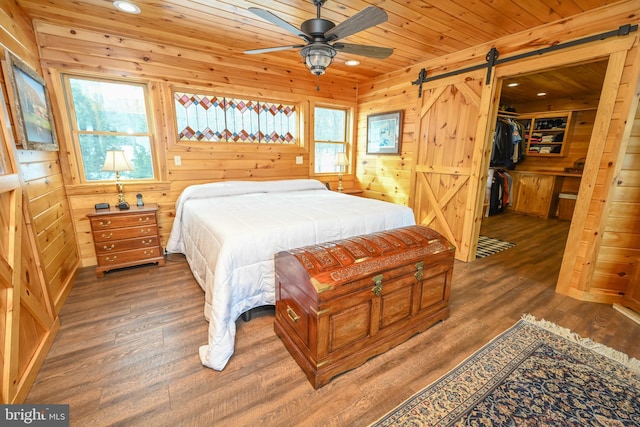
[341, 159]
[318, 57]
[116, 161]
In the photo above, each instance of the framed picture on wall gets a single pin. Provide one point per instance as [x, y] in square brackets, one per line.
[384, 132]
[31, 107]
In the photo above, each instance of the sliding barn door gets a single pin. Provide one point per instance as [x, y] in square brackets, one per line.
[449, 173]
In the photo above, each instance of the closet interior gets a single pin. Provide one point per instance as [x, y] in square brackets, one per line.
[541, 140]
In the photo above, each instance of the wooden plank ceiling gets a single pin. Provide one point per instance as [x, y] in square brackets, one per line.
[417, 30]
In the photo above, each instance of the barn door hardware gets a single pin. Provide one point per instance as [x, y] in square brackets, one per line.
[492, 55]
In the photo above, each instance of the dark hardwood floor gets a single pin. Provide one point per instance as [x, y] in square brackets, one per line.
[127, 350]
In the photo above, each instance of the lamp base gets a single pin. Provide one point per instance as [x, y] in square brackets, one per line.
[123, 206]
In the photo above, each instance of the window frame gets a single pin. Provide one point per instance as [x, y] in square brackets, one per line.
[348, 143]
[172, 129]
[71, 120]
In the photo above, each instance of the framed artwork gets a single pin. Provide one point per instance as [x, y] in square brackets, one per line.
[31, 106]
[384, 132]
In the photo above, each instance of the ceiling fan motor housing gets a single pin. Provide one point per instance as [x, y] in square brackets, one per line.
[317, 27]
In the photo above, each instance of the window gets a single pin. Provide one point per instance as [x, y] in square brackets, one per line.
[210, 118]
[108, 115]
[330, 133]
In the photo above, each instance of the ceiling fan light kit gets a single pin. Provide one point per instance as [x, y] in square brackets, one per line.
[321, 36]
[318, 58]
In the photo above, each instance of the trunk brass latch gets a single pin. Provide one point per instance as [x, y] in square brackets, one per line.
[419, 267]
[377, 289]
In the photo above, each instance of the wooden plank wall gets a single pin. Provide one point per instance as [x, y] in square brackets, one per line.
[46, 247]
[165, 68]
[51, 221]
[395, 91]
[601, 267]
[619, 253]
[386, 177]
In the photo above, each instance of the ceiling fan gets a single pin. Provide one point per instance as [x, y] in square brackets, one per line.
[323, 37]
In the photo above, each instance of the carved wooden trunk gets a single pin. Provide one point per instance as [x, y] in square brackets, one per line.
[340, 303]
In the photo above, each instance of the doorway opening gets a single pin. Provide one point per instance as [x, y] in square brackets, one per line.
[553, 112]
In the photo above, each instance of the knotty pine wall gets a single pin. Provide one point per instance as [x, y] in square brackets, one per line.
[46, 245]
[594, 268]
[48, 208]
[165, 68]
[65, 49]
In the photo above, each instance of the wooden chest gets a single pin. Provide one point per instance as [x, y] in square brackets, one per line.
[340, 303]
[126, 238]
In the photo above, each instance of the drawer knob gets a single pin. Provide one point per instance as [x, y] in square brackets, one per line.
[419, 267]
[292, 315]
[105, 224]
[142, 230]
[145, 219]
[108, 248]
[111, 259]
[377, 289]
[107, 236]
[147, 253]
[146, 242]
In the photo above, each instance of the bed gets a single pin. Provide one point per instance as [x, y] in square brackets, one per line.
[229, 232]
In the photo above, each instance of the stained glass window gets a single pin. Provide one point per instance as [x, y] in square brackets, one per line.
[208, 118]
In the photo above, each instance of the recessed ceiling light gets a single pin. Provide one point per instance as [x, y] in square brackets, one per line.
[126, 6]
[542, 93]
[352, 62]
[513, 84]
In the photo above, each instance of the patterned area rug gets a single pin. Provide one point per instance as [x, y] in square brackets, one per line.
[534, 374]
[489, 246]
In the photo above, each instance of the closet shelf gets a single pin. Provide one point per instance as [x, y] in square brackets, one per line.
[545, 132]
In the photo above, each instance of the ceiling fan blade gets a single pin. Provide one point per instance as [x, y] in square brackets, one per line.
[362, 20]
[270, 17]
[363, 50]
[273, 49]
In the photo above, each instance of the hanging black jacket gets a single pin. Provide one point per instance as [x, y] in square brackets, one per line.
[502, 154]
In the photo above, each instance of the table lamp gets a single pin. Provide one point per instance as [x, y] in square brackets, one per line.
[341, 161]
[116, 161]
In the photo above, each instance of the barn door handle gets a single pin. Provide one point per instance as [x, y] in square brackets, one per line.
[377, 289]
[419, 267]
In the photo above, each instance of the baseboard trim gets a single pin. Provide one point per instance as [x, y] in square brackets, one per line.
[631, 314]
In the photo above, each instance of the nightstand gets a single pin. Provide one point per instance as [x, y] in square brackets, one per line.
[124, 238]
[351, 191]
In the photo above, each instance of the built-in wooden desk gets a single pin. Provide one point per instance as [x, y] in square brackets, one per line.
[536, 192]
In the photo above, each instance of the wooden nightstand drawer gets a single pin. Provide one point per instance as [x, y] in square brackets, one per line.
[125, 245]
[129, 256]
[118, 221]
[124, 233]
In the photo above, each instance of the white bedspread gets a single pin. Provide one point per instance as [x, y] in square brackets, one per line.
[230, 231]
